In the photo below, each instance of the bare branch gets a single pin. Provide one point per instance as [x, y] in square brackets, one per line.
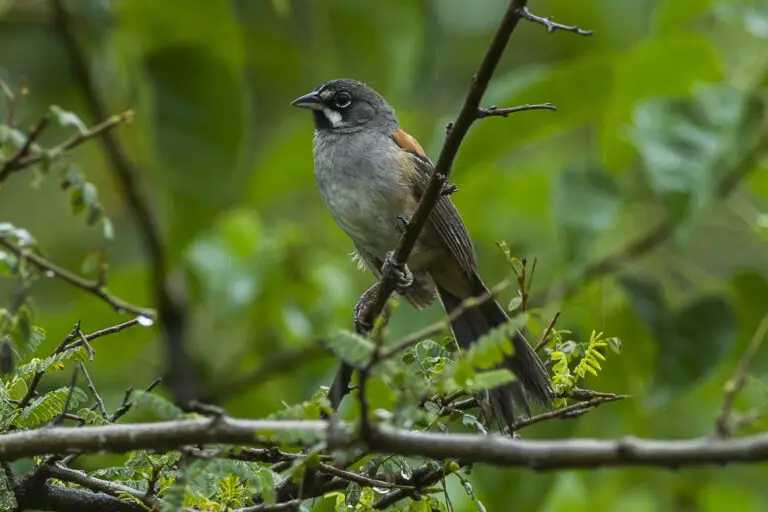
[571, 453]
[494, 111]
[545, 337]
[551, 25]
[96, 484]
[92, 287]
[92, 388]
[568, 412]
[167, 434]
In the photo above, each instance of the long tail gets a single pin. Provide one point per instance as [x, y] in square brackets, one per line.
[532, 378]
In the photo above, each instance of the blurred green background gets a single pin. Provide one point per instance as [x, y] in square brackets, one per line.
[654, 110]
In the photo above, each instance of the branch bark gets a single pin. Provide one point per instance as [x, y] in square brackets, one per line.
[468, 448]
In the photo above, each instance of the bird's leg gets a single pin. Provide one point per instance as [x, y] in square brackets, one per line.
[362, 324]
[401, 271]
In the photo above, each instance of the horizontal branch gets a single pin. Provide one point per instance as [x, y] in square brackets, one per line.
[571, 453]
[468, 448]
[160, 435]
[495, 111]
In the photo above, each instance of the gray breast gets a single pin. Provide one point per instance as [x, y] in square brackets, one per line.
[356, 178]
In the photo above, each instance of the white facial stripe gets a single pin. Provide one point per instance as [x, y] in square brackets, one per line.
[325, 94]
[333, 117]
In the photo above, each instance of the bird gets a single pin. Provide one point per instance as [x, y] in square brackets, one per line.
[370, 174]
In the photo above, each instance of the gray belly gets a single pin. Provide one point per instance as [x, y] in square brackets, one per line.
[365, 210]
[359, 183]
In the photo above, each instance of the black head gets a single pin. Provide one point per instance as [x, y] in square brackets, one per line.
[346, 105]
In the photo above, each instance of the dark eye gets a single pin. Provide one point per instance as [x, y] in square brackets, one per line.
[343, 99]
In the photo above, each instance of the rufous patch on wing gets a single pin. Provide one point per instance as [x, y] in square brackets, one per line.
[408, 143]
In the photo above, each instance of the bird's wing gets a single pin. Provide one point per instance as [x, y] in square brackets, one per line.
[445, 219]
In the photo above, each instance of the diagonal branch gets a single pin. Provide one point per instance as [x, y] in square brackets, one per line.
[93, 287]
[442, 171]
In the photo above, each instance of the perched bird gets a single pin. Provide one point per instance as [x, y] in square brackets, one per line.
[371, 175]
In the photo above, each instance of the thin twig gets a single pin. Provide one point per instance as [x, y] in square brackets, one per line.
[362, 480]
[734, 385]
[38, 376]
[494, 111]
[92, 287]
[286, 506]
[92, 388]
[77, 139]
[570, 411]
[103, 332]
[545, 337]
[551, 25]
[68, 400]
[9, 166]
[96, 484]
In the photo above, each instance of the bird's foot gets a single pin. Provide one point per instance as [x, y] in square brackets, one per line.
[362, 324]
[400, 270]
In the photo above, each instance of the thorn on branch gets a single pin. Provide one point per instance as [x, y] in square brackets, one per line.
[550, 24]
[494, 111]
[449, 189]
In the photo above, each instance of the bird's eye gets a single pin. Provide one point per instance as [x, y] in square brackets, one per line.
[343, 99]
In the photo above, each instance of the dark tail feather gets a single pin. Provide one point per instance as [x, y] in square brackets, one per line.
[532, 377]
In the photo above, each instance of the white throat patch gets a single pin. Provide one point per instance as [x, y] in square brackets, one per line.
[333, 117]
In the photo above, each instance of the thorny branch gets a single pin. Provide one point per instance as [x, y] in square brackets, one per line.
[469, 113]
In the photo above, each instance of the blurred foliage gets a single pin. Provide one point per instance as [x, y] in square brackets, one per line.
[661, 113]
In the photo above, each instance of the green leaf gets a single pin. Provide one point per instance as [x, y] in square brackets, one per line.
[7, 494]
[678, 62]
[586, 202]
[687, 145]
[17, 389]
[354, 491]
[40, 365]
[49, 406]
[66, 118]
[157, 405]
[351, 348]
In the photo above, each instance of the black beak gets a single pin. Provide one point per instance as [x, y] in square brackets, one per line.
[311, 101]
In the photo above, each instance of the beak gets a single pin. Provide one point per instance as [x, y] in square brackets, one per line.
[310, 101]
